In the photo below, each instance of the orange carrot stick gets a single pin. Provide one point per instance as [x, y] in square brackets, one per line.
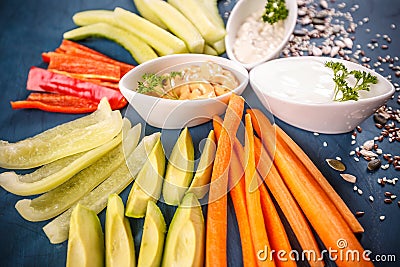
[257, 226]
[216, 231]
[278, 238]
[349, 217]
[318, 208]
[287, 203]
[264, 127]
[239, 201]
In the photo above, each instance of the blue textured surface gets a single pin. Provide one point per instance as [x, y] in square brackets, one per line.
[29, 28]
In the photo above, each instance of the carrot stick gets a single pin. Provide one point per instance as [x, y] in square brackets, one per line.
[318, 208]
[216, 231]
[239, 201]
[257, 226]
[319, 177]
[263, 127]
[279, 240]
[287, 203]
[313, 200]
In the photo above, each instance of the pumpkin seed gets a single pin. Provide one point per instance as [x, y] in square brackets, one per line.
[336, 164]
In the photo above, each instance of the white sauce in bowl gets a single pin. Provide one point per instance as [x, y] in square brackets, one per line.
[256, 39]
[303, 81]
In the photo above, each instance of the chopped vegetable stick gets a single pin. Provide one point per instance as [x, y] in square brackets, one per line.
[43, 80]
[85, 66]
[264, 126]
[278, 238]
[73, 48]
[84, 78]
[313, 201]
[56, 103]
[354, 224]
[287, 203]
[253, 202]
[239, 201]
[216, 231]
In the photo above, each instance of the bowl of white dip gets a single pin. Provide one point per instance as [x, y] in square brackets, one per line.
[300, 91]
[251, 41]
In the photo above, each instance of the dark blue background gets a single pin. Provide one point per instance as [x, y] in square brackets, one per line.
[28, 28]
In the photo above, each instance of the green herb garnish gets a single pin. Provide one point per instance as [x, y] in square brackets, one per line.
[275, 10]
[153, 83]
[363, 81]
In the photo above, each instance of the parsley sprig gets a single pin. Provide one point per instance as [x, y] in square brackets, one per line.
[275, 10]
[153, 83]
[341, 74]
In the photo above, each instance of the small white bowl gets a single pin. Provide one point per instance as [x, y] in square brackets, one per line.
[176, 114]
[298, 90]
[242, 10]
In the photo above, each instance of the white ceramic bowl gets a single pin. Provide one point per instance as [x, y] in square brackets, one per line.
[284, 85]
[242, 10]
[176, 114]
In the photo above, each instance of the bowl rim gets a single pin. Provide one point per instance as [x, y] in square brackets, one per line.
[254, 85]
[291, 5]
[238, 68]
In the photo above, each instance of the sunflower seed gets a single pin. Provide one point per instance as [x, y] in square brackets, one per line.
[350, 178]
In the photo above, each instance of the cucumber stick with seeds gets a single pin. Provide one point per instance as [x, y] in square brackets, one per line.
[61, 198]
[163, 42]
[139, 49]
[63, 140]
[175, 22]
[145, 12]
[197, 14]
[57, 229]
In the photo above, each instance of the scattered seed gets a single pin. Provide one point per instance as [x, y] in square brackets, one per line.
[371, 198]
[355, 188]
[359, 191]
[382, 217]
[349, 178]
[388, 194]
[336, 164]
[325, 144]
[353, 142]
[388, 201]
[316, 134]
[374, 164]
[360, 213]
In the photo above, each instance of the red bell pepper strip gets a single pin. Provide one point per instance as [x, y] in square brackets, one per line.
[75, 49]
[44, 80]
[56, 103]
[112, 85]
[86, 67]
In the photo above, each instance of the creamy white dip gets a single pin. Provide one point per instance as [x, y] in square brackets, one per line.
[256, 39]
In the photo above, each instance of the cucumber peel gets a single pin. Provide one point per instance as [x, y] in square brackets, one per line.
[139, 49]
[61, 198]
[63, 140]
[57, 229]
